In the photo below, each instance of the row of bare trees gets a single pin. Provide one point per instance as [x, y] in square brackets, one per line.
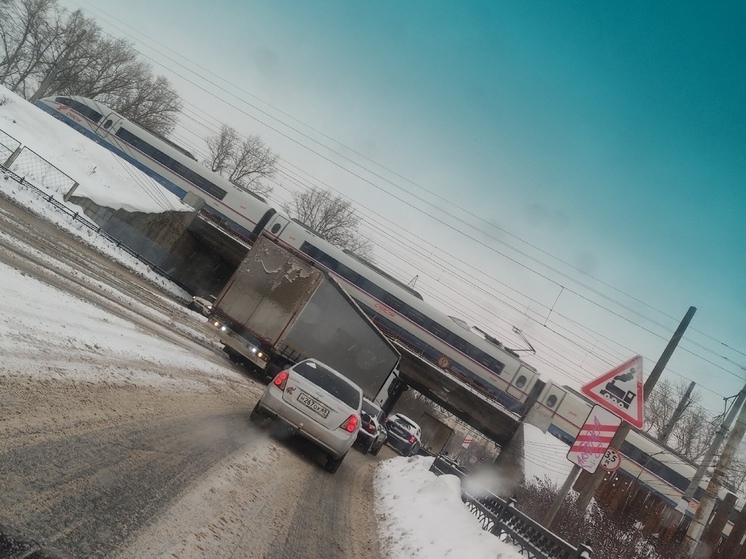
[247, 162]
[48, 50]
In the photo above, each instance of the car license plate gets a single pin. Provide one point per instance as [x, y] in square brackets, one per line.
[309, 402]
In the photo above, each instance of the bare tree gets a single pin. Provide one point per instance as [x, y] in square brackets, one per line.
[222, 147]
[45, 49]
[659, 407]
[252, 161]
[695, 429]
[151, 102]
[736, 474]
[28, 31]
[243, 162]
[332, 217]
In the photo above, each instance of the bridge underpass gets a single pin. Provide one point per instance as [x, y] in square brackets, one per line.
[493, 421]
[480, 413]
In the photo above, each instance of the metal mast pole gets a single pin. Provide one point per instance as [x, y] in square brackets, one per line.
[714, 447]
[697, 526]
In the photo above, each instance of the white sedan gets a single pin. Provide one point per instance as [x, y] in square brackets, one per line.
[318, 403]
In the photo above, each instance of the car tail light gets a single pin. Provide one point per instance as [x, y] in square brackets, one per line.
[412, 439]
[350, 424]
[281, 380]
[370, 427]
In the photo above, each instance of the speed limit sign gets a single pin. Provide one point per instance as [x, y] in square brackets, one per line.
[611, 460]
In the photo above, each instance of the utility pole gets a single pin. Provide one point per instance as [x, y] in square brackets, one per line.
[595, 480]
[692, 542]
[710, 454]
[678, 412]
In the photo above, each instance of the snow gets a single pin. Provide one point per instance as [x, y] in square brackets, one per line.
[103, 177]
[420, 515]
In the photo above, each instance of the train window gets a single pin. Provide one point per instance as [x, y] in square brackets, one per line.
[460, 344]
[171, 163]
[416, 316]
[214, 190]
[80, 108]
[521, 382]
[275, 228]
[440, 332]
[551, 401]
[368, 286]
[496, 366]
[393, 302]
[655, 466]
[108, 124]
[490, 362]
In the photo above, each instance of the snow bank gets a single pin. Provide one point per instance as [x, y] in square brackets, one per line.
[421, 515]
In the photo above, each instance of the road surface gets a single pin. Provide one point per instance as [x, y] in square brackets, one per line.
[168, 469]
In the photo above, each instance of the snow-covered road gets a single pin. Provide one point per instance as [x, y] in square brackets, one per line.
[123, 425]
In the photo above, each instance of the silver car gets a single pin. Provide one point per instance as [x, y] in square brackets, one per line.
[318, 403]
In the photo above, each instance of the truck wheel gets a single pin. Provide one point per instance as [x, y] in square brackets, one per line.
[256, 414]
[333, 464]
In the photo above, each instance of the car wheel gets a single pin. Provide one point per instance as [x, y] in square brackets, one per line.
[256, 414]
[333, 464]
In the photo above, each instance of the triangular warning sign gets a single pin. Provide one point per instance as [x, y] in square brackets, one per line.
[620, 391]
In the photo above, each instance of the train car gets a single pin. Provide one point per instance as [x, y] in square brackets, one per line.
[400, 312]
[167, 163]
[560, 411]
[664, 473]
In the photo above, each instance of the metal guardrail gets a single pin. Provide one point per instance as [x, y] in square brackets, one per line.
[502, 518]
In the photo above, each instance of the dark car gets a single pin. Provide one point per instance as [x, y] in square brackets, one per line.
[404, 435]
[372, 435]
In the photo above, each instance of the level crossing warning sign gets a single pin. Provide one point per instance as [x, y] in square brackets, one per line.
[594, 438]
[620, 391]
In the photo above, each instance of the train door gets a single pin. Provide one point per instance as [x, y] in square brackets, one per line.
[108, 124]
[276, 226]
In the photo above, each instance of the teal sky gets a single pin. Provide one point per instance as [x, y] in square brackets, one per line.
[608, 136]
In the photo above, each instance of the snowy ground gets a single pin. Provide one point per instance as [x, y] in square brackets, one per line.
[420, 515]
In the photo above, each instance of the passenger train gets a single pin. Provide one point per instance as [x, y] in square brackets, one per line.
[481, 362]
[447, 342]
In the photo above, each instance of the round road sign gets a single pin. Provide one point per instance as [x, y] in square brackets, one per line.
[611, 460]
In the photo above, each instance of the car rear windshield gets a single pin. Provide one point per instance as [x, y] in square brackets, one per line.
[371, 409]
[329, 381]
[399, 419]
